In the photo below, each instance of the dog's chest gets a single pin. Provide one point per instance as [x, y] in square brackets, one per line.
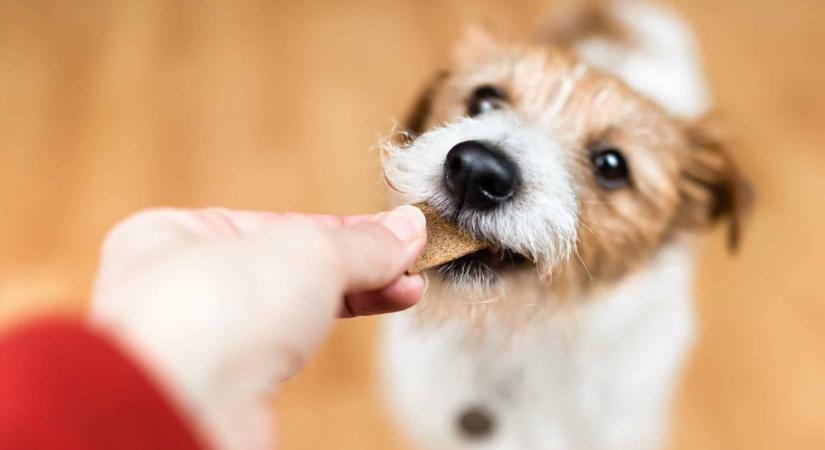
[599, 380]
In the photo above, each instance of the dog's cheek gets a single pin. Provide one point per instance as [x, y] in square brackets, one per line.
[618, 232]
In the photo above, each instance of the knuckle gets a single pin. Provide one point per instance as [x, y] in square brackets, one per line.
[308, 242]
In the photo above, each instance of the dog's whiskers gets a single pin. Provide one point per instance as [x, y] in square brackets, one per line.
[481, 302]
[593, 202]
[587, 227]
[589, 275]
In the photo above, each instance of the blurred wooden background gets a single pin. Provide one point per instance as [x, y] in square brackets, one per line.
[111, 106]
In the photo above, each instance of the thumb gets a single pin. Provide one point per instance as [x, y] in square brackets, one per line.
[375, 253]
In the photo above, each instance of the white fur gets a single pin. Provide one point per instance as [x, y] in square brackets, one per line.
[661, 60]
[540, 222]
[601, 380]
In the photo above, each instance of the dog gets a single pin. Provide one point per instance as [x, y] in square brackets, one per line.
[589, 160]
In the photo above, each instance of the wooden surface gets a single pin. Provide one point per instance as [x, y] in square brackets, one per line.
[110, 106]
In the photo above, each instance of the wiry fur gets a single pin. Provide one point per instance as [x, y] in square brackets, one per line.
[581, 350]
[540, 223]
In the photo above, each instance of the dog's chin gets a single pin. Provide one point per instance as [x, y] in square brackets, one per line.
[483, 267]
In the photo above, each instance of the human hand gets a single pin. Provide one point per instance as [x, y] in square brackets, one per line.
[221, 305]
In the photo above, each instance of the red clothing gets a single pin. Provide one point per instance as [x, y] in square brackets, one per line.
[66, 387]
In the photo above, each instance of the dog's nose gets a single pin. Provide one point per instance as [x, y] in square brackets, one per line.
[480, 176]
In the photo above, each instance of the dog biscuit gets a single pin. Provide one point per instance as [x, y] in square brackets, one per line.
[446, 241]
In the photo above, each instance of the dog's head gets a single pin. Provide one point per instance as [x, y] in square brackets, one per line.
[573, 176]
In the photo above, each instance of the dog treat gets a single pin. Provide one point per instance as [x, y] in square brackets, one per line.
[446, 241]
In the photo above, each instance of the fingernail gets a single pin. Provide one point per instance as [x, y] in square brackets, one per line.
[406, 222]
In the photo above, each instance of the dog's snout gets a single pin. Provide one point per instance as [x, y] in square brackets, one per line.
[479, 175]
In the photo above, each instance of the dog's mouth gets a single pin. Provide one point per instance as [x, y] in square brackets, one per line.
[483, 265]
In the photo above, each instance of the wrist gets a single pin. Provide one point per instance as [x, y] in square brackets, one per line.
[169, 316]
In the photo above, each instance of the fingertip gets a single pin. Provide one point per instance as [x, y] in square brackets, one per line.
[375, 254]
[402, 294]
[406, 222]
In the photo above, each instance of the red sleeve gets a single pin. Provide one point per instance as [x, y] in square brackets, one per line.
[65, 387]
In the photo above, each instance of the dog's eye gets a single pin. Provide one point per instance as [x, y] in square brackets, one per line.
[610, 167]
[485, 98]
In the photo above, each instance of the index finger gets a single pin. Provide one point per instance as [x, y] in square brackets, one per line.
[242, 222]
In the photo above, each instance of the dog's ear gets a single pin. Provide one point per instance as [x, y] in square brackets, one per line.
[476, 45]
[573, 21]
[711, 187]
[416, 119]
